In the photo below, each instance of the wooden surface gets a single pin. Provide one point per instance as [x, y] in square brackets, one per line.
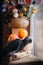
[26, 59]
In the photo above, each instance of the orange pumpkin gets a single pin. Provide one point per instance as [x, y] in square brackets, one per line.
[13, 37]
[22, 33]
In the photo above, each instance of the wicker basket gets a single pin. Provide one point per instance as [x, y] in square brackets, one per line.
[19, 23]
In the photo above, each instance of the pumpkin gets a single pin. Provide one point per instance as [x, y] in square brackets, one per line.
[13, 37]
[22, 33]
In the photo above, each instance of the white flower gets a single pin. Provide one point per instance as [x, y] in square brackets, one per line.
[15, 10]
[15, 15]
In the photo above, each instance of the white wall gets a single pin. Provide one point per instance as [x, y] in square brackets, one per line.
[36, 29]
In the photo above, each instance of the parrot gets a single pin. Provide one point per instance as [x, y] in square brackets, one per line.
[15, 45]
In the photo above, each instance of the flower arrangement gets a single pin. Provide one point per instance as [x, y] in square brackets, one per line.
[8, 10]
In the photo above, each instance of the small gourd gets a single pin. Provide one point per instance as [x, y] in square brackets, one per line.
[22, 33]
